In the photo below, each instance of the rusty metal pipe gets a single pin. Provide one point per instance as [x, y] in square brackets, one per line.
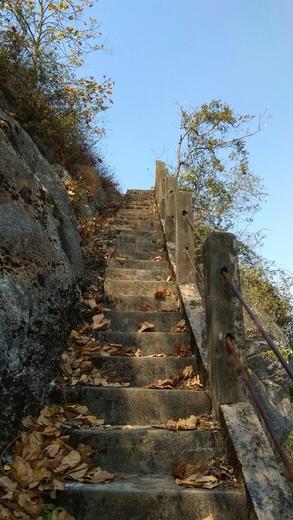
[258, 324]
[245, 378]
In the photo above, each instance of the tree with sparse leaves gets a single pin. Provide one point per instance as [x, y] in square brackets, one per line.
[212, 162]
[43, 43]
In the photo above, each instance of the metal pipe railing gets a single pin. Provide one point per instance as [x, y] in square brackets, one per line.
[258, 324]
[244, 374]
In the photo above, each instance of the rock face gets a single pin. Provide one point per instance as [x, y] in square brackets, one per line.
[41, 264]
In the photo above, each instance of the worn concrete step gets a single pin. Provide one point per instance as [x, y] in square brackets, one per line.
[133, 234]
[136, 193]
[152, 343]
[162, 266]
[135, 225]
[131, 321]
[138, 255]
[139, 245]
[137, 274]
[134, 229]
[137, 287]
[133, 219]
[142, 303]
[138, 213]
[142, 406]
[140, 239]
[152, 498]
[149, 450]
[142, 372]
[135, 205]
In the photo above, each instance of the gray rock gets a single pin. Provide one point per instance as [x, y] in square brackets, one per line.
[41, 265]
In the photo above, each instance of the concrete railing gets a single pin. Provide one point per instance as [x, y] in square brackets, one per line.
[215, 313]
[223, 310]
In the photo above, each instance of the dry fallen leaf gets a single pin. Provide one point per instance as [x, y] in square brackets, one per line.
[179, 327]
[146, 327]
[185, 378]
[198, 481]
[148, 308]
[206, 475]
[100, 322]
[201, 423]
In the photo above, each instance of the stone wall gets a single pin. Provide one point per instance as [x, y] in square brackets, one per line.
[40, 268]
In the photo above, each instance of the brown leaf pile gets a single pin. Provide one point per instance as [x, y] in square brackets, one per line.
[198, 475]
[179, 327]
[78, 368]
[76, 362]
[186, 378]
[200, 423]
[91, 298]
[99, 322]
[43, 460]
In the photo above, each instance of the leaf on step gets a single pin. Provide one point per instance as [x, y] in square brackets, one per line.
[80, 339]
[22, 471]
[201, 423]
[72, 459]
[183, 350]
[100, 322]
[162, 294]
[146, 326]
[91, 303]
[148, 308]
[31, 505]
[78, 473]
[7, 484]
[210, 517]
[207, 475]
[198, 481]
[158, 258]
[98, 476]
[185, 378]
[162, 384]
[179, 327]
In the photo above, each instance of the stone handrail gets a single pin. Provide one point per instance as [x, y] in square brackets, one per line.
[215, 313]
[223, 310]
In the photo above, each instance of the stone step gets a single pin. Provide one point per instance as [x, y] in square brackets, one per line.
[143, 406]
[142, 303]
[131, 321]
[136, 219]
[140, 239]
[144, 206]
[138, 255]
[140, 193]
[136, 274]
[148, 450]
[152, 498]
[141, 372]
[139, 245]
[118, 288]
[133, 235]
[152, 343]
[162, 266]
[137, 226]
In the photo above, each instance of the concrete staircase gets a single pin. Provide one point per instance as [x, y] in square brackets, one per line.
[142, 453]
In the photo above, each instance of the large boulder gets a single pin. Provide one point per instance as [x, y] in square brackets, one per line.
[41, 264]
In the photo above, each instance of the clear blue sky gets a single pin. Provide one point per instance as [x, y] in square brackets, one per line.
[162, 53]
